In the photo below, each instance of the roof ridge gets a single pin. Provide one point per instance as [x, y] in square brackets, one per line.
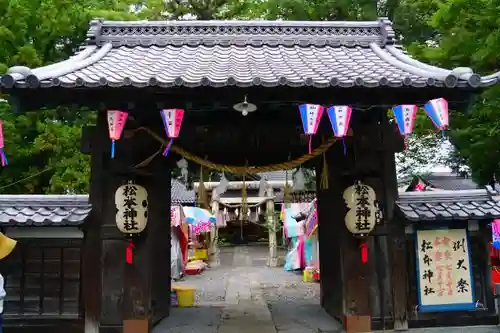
[444, 195]
[47, 200]
[238, 32]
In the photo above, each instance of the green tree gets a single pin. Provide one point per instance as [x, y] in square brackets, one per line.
[43, 147]
[467, 34]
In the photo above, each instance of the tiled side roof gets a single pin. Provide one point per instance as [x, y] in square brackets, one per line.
[448, 205]
[242, 53]
[276, 175]
[181, 195]
[452, 183]
[59, 210]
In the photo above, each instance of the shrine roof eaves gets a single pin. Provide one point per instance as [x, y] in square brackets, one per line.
[242, 53]
[449, 205]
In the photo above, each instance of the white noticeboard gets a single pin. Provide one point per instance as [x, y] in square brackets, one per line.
[444, 271]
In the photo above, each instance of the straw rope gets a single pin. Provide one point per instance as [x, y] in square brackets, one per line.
[243, 169]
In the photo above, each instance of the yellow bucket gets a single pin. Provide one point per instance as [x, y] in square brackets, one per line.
[201, 254]
[185, 296]
[307, 275]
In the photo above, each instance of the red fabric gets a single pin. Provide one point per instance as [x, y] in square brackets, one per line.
[183, 241]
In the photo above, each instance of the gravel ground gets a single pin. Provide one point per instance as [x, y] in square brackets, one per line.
[242, 295]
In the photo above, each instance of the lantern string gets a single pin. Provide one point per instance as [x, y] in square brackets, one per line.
[112, 148]
[310, 143]
[345, 147]
[165, 153]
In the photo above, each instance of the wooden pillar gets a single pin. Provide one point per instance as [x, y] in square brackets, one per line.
[91, 142]
[346, 283]
[271, 223]
[114, 291]
[399, 276]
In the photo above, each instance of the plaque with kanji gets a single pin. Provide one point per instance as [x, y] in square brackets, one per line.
[444, 271]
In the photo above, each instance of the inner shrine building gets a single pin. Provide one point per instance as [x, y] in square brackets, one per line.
[205, 68]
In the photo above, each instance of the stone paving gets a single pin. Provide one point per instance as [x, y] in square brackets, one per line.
[242, 295]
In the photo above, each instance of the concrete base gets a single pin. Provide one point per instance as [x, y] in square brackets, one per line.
[273, 262]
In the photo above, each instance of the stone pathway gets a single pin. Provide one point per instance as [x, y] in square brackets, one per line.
[242, 295]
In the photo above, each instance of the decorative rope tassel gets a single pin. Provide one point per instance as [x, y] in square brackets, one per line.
[112, 148]
[345, 147]
[129, 253]
[405, 140]
[310, 144]
[364, 252]
[167, 149]
[323, 184]
[202, 192]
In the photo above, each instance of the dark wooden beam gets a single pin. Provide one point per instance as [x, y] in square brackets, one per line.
[214, 100]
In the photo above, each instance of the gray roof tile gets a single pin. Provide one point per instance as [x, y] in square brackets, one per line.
[180, 195]
[448, 205]
[59, 210]
[241, 53]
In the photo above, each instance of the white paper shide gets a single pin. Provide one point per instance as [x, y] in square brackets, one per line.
[131, 202]
[444, 267]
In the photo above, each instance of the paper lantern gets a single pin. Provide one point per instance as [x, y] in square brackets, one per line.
[495, 233]
[405, 118]
[340, 116]
[437, 110]
[172, 121]
[310, 114]
[360, 200]
[116, 124]
[131, 201]
[2, 152]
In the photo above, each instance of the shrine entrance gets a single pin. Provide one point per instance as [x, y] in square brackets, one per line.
[206, 68]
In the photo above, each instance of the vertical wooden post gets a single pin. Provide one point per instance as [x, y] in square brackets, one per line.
[271, 225]
[93, 138]
[399, 276]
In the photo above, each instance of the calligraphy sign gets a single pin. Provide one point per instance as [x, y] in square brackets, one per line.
[361, 217]
[444, 270]
[131, 202]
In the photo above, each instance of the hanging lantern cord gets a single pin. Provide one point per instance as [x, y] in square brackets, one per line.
[112, 148]
[345, 147]
[310, 143]
[167, 149]
[4, 158]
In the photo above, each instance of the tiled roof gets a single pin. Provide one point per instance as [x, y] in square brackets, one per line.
[276, 175]
[451, 183]
[449, 205]
[242, 53]
[180, 195]
[59, 210]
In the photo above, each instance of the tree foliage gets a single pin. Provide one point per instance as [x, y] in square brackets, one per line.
[45, 145]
